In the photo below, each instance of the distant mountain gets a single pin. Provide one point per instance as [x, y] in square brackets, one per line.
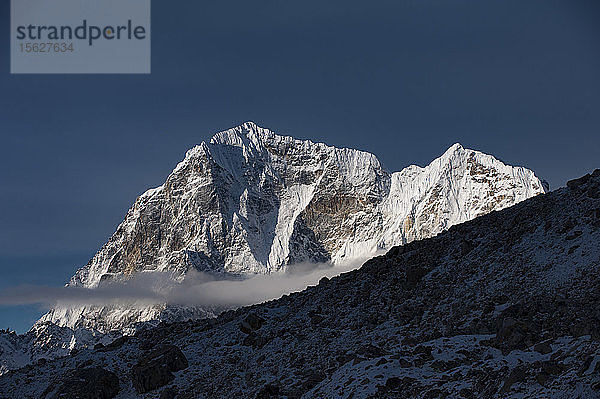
[503, 306]
[43, 341]
[251, 201]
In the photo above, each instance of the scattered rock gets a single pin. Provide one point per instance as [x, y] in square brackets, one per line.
[393, 382]
[489, 308]
[433, 393]
[396, 387]
[517, 375]
[381, 361]
[424, 352]
[255, 340]
[572, 249]
[371, 351]
[594, 191]
[501, 299]
[466, 246]
[414, 274]
[585, 366]
[573, 235]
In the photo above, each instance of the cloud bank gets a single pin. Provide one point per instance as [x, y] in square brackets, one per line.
[196, 288]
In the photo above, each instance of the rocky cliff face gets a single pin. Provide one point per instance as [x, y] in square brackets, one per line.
[503, 306]
[251, 201]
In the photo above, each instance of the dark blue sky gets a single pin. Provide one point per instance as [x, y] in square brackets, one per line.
[402, 79]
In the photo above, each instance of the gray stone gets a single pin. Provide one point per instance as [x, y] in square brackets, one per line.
[88, 383]
[155, 368]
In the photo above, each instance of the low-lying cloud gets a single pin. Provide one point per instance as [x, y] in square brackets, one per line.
[195, 289]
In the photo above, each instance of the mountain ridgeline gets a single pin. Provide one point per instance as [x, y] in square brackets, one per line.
[251, 202]
[502, 306]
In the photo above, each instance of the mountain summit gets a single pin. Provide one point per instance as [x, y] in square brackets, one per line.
[251, 202]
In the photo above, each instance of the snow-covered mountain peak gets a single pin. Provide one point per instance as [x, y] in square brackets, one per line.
[453, 149]
[240, 135]
[250, 201]
[248, 135]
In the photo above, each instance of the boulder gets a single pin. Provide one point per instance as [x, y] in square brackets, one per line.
[543, 347]
[515, 329]
[168, 393]
[117, 343]
[548, 371]
[255, 340]
[269, 391]
[252, 322]
[155, 368]
[88, 383]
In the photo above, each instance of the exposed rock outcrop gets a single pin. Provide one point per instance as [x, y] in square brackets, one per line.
[87, 383]
[155, 368]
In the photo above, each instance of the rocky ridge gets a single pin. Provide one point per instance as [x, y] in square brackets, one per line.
[505, 305]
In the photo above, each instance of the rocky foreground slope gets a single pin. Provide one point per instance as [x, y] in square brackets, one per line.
[506, 305]
[251, 202]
